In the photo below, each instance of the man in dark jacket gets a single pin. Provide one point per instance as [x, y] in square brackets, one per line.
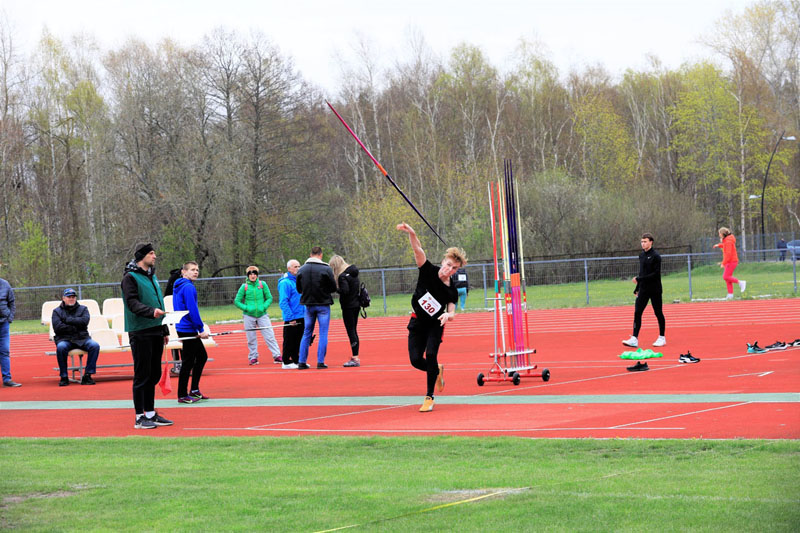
[144, 309]
[7, 310]
[71, 327]
[315, 283]
[648, 288]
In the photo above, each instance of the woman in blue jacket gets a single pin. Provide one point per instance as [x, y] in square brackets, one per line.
[184, 298]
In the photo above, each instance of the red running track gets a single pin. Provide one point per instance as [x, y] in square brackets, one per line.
[729, 394]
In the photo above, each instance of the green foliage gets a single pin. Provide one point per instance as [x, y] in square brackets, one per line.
[174, 247]
[31, 261]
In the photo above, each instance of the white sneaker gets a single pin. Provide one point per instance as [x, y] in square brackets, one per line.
[742, 285]
[660, 341]
[729, 296]
[633, 342]
[290, 366]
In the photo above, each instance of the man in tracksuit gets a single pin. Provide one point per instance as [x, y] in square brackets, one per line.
[144, 309]
[648, 287]
[315, 283]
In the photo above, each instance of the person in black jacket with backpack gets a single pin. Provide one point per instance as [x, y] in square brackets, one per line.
[348, 286]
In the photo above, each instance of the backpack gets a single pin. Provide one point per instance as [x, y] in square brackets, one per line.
[363, 300]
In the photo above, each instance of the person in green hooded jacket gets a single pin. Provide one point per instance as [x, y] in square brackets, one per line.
[253, 299]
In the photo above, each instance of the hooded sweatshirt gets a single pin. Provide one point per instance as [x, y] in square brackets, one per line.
[141, 295]
[184, 298]
[349, 285]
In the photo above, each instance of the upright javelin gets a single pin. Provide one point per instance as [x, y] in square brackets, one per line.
[383, 170]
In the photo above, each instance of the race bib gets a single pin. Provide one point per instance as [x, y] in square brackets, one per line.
[429, 304]
[462, 277]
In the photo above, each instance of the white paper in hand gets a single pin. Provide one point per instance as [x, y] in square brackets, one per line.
[173, 317]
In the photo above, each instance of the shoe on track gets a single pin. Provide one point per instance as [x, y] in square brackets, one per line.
[660, 341]
[688, 358]
[277, 360]
[290, 366]
[188, 399]
[638, 367]
[742, 285]
[427, 405]
[322, 365]
[87, 380]
[755, 348]
[796, 342]
[253, 362]
[440, 379]
[160, 420]
[302, 366]
[198, 395]
[352, 363]
[63, 382]
[777, 345]
[633, 342]
[142, 422]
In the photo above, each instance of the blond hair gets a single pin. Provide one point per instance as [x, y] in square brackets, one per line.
[338, 265]
[724, 231]
[457, 254]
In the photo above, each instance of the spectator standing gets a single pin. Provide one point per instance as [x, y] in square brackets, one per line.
[193, 354]
[730, 260]
[782, 247]
[70, 322]
[7, 310]
[293, 313]
[648, 288]
[348, 286]
[315, 283]
[254, 298]
[433, 305]
[144, 310]
[461, 283]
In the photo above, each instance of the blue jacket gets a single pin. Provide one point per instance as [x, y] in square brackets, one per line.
[291, 308]
[7, 307]
[184, 298]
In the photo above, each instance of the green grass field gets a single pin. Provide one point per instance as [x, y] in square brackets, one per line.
[398, 484]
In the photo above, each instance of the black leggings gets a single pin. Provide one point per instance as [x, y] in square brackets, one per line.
[424, 339]
[641, 303]
[146, 351]
[194, 359]
[350, 317]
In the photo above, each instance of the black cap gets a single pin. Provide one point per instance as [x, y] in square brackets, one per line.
[142, 251]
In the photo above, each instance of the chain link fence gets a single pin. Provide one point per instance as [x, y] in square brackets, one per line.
[560, 283]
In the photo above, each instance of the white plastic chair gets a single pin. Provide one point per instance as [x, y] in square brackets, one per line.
[168, 304]
[97, 323]
[113, 306]
[47, 311]
[107, 339]
[94, 308]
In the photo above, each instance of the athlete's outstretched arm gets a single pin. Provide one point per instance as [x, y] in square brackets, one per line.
[419, 253]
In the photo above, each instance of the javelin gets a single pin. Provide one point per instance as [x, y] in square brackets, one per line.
[383, 171]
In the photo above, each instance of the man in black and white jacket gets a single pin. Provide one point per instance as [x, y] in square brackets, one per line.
[315, 283]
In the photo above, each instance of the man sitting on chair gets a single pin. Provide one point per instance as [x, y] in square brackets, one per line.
[71, 326]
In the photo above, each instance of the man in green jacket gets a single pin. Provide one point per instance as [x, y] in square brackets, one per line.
[144, 309]
[253, 299]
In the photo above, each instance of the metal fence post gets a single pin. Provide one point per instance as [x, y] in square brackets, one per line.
[586, 278]
[383, 289]
[689, 262]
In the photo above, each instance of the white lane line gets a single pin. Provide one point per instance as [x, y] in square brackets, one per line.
[622, 426]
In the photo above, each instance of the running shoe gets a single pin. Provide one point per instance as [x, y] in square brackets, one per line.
[796, 342]
[253, 362]
[322, 365]
[188, 399]
[777, 345]
[755, 348]
[160, 420]
[290, 366]
[638, 367]
[198, 395]
[302, 366]
[427, 405]
[352, 363]
[660, 341]
[633, 342]
[277, 360]
[142, 422]
[688, 358]
[440, 379]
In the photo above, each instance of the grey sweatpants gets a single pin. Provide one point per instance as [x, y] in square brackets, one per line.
[252, 336]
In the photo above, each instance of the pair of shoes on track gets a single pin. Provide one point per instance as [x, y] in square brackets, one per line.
[688, 358]
[633, 342]
[777, 345]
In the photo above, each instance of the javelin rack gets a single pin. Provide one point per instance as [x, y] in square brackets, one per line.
[512, 354]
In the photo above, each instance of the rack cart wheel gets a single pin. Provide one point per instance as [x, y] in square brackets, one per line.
[515, 378]
[545, 375]
[480, 380]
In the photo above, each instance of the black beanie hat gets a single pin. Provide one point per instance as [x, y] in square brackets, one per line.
[142, 251]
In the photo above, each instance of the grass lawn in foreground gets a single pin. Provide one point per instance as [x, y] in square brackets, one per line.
[398, 484]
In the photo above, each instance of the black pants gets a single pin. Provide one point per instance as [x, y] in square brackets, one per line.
[424, 339]
[350, 317]
[292, 336]
[193, 357]
[146, 351]
[641, 303]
